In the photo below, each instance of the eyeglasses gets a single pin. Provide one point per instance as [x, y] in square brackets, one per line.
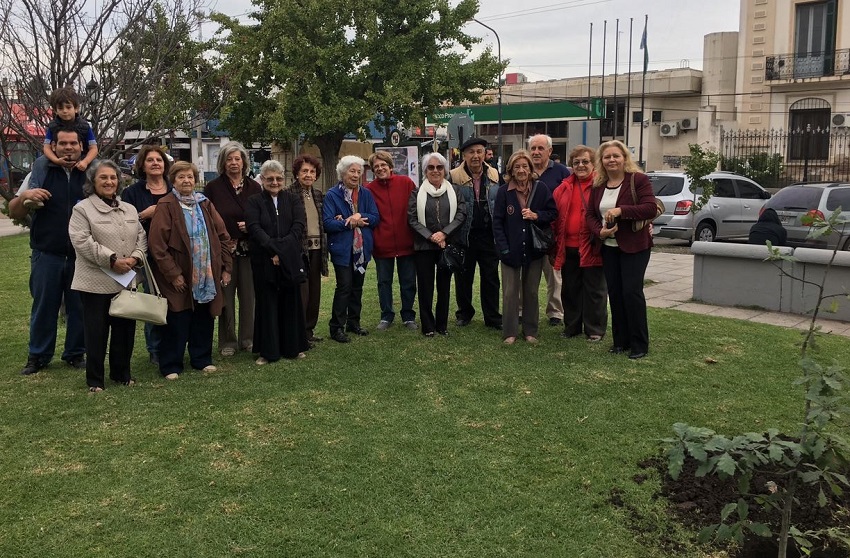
[273, 178]
[434, 167]
[579, 162]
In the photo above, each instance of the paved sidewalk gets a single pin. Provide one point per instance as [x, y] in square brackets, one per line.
[8, 228]
[673, 275]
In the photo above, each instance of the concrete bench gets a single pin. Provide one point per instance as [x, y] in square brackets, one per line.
[738, 275]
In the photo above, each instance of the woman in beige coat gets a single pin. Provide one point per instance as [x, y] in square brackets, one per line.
[107, 236]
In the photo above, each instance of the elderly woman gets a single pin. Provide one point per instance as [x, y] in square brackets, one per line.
[152, 164]
[436, 210]
[189, 241]
[620, 196]
[276, 225]
[520, 201]
[578, 257]
[229, 194]
[307, 169]
[349, 215]
[106, 235]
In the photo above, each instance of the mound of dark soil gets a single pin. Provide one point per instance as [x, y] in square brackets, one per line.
[697, 502]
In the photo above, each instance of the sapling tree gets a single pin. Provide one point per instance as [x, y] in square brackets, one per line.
[816, 455]
[702, 162]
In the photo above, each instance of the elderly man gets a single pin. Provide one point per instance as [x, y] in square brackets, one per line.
[393, 240]
[551, 174]
[478, 184]
[52, 261]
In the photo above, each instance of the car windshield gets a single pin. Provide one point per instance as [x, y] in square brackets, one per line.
[666, 185]
[795, 198]
[839, 197]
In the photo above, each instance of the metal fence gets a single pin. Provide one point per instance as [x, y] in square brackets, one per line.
[776, 158]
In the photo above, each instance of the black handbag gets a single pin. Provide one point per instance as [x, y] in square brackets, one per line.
[452, 258]
[542, 240]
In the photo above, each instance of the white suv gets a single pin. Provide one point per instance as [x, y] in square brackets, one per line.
[729, 213]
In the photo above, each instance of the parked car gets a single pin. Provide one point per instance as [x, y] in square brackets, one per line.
[729, 213]
[794, 202]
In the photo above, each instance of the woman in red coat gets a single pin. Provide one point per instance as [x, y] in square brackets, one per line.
[578, 257]
[621, 196]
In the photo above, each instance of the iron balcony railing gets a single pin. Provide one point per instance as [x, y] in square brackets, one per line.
[807, 65]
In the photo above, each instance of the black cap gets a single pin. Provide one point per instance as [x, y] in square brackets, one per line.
[473, 141]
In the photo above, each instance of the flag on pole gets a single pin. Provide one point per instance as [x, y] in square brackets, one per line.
[644, 48]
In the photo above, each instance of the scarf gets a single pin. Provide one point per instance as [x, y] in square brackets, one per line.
[203, 281]
[428, 189]
[357, 243]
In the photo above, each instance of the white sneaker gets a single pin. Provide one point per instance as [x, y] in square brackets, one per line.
[261, 361]
[411, 324]
[383, 325]
[172, 376]
[210, 368]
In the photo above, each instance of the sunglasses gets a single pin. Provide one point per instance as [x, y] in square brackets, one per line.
[434, 167]
[579, 162]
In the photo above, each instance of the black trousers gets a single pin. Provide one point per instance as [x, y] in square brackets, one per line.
[584, 294]
[97, 325]
[190, 327]
[624, 274]
[348, 298]
[311, 291]
[481, 252]
[426, 271]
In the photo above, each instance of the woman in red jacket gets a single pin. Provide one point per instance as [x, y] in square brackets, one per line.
[578, 257]
[621, 196]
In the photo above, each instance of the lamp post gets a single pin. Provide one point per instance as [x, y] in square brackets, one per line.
[499, 54]
[92, 96]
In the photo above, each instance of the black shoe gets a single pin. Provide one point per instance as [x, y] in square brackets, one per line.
[567, 335]
[32, 367]
[357, 330]
[340, 337]
[429, 334]
[78, 362]
[461, 322]
[154, 358]
[615, 350]
[316, 339]
[634, 356]
[495, 325]
[555, 321]
[443, 332]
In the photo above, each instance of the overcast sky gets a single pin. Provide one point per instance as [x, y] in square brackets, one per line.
[549, 39]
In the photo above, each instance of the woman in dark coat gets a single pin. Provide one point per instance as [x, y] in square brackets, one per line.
[768, 227]
[520, 202]
[276, 223]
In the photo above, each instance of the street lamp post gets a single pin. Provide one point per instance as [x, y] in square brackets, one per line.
[92, 97]
[499, 54]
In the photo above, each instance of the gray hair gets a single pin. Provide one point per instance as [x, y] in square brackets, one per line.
[428, 156]
[88, 187]
[346, 162]
[548, 140]
[272, 166]
[225, 152]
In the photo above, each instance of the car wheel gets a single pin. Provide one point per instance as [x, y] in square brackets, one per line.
[705, 232]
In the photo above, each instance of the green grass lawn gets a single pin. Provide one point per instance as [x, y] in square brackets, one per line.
[392, 445]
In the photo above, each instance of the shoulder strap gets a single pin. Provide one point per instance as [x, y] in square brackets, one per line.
[634, 194]
[149, 275]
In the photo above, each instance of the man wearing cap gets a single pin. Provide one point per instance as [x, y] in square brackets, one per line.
[478, 183]
[551, 174]
[393, 239]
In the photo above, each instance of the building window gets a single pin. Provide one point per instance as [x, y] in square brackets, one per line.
[808, 126]
[656, 117]
[637, 117]
[814, 39]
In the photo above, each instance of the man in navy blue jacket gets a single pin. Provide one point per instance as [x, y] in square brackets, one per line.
[551, 174]
[52, 261]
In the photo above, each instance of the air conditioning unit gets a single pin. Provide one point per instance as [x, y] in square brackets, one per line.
[688, 124]
[669, 129]
[841, 120]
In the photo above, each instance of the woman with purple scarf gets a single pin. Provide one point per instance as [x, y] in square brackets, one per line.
[349, 214]
[191, 247]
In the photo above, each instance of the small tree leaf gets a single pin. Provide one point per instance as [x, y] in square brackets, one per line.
[726, 465]
[675, 461]
[707, 533]
[760, 529]
[821, 498]
[743, 509]
[727, 511]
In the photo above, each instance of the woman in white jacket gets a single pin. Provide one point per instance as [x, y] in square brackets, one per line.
[107, 236]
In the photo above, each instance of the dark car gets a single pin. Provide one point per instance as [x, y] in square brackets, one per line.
[792, 203]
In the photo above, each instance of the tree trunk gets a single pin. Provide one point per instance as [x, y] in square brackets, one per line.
[329, 148]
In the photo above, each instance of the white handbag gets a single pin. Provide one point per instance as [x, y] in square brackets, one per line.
[144, 307]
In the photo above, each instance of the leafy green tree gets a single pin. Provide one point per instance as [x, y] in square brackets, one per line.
[319, 69]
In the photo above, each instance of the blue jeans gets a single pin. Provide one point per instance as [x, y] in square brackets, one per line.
[50, 283]
[406, 283]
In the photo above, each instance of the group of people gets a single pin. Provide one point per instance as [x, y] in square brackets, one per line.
[253, 254]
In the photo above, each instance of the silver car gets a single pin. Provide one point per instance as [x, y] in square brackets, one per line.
[729, 213]
[792, 203]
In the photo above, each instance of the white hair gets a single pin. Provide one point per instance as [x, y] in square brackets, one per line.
[346, 162]
[428, 156]
[548, 140]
